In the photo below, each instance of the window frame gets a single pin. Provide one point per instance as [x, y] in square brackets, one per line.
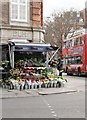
[18, 4]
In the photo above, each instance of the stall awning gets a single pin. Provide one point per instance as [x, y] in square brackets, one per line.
[25, 46]
[30, 47]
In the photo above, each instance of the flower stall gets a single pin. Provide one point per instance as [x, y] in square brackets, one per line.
[30, 71]
[35, 77]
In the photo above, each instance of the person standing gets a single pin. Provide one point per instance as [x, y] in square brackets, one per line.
[59, 67]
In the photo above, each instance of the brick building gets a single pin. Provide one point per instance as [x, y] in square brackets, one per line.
[20, 20]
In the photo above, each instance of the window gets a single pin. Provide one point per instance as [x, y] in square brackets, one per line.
[73, 42]
[78, 41]
[19, 10]
[64, 45]
[75, 60]
[78, 60]
[70, 43]
[67, 44]
[81, 40]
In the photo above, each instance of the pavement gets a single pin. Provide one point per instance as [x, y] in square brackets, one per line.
[6, 93]
[70, 86]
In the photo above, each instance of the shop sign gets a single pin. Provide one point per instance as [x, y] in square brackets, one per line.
[20, 34]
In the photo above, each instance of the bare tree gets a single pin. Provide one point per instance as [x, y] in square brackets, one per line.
[59, 26]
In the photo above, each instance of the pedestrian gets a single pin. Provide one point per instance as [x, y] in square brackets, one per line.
[20, 84]
[26, 85]
[59, 67]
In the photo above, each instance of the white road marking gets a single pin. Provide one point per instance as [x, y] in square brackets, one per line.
[49, 106]
[54, 115]
[53, 112]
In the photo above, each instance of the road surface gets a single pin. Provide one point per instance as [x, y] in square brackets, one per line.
[66, 105]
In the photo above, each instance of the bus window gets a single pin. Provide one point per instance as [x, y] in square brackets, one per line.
[69, 61]
[64, 61]
[72, 60]
[64, 45]
[67, 44]
[78, 41]
[75, 43]
[78, 60]
[81, 40]
[72, 42]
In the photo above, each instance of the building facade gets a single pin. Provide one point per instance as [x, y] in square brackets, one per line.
[83, 16]
[21, 20]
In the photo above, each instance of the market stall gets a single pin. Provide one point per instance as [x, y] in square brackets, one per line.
[32, 70]
[24, 46]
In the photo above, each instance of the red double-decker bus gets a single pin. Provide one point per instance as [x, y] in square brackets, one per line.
[74, 52]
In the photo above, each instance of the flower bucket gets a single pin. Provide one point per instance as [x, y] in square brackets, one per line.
[32, 86]
[54, 85]
[35, 86]
[42, 85]
[62, 84]
[45, 85]
[39, 84]
[49, 85]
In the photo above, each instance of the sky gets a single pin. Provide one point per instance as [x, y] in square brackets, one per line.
[49, 6]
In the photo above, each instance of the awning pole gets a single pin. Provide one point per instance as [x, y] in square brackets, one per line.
[12, 56]
[54, 54]
[47, 59]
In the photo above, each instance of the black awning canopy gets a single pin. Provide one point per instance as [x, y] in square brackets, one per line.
[31, 47]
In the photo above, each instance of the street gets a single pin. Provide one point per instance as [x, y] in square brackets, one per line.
[65, 105]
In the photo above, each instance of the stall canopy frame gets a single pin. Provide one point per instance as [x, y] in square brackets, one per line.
[27, 47]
